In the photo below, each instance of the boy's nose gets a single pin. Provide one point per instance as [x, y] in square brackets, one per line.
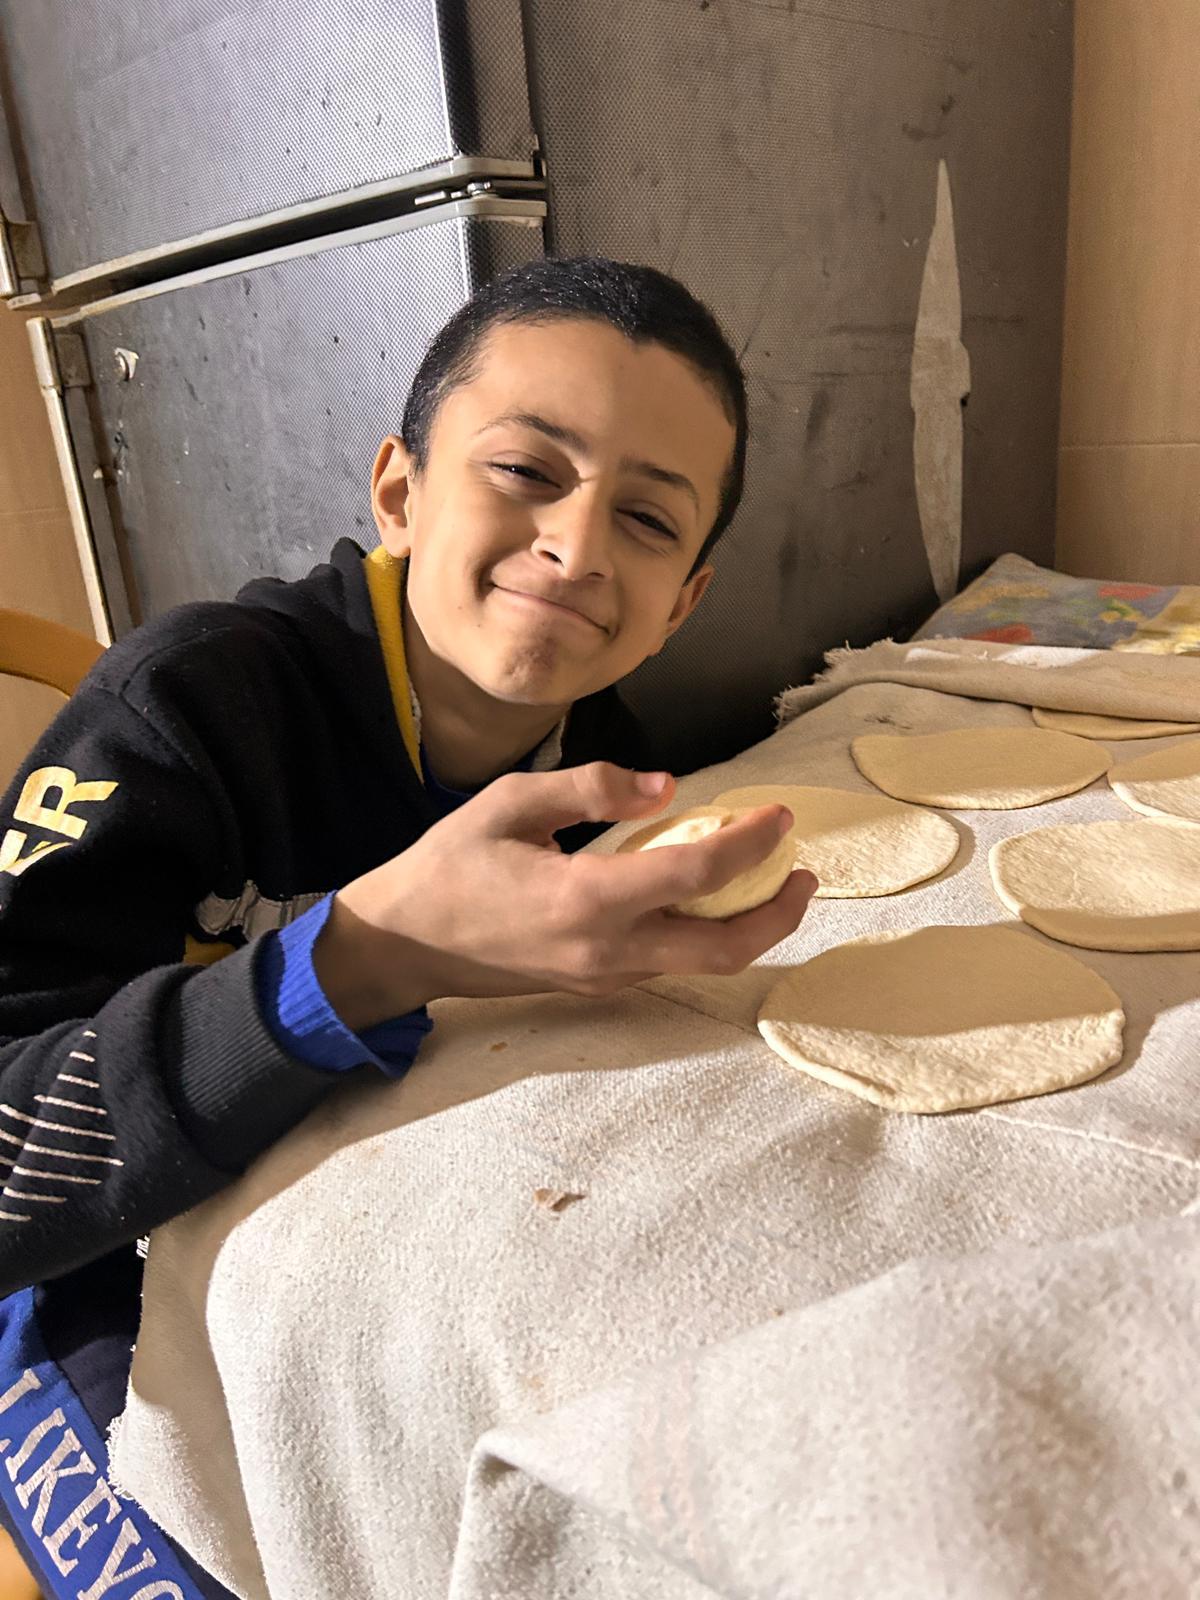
[578, 540]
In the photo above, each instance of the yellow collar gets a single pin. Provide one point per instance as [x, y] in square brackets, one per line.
[385, 580]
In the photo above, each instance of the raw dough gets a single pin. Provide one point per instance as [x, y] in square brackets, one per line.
[979, 769]
[942, 1018]
[1105, 885]
[857, 844]
[1094, 727]
[1162, 783]
[743, 893]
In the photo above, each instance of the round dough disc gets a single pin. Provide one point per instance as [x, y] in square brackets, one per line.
[857, 844]
[940, 1019]
[979, 769]
[1162, 783]
[1105, 885]
[1089, 726]
[749, 889]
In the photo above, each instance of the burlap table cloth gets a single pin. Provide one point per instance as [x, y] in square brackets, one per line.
[782, 1343]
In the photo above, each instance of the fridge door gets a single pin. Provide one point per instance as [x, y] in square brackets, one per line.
[784, 160]
[144, 125]
[234, 414]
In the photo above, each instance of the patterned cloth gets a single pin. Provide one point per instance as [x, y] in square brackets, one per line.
[1016, 602]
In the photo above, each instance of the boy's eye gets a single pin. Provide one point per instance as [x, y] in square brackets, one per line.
[652, 522]
[519, 470]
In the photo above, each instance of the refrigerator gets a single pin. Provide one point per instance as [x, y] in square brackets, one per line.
[238, 224]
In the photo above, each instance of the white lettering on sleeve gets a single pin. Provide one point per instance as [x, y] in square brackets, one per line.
[32, 1439]
[47, 1477]
[77, 1523]
[127, 1537]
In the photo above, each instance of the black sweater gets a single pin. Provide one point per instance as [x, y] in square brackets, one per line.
[219, 770]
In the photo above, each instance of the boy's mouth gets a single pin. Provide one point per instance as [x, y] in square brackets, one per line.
[544, 606]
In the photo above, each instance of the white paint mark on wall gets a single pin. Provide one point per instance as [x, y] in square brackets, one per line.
[941, 379]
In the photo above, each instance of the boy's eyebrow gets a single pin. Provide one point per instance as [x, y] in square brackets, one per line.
[568, 436]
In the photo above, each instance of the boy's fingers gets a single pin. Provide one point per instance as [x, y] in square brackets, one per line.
[535, 805]
[671, 943]
[646, 880]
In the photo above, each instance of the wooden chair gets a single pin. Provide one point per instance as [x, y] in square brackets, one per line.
[44, 652]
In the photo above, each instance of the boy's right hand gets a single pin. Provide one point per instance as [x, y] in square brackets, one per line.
[485, 902]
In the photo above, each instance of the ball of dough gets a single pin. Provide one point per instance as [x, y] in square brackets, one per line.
[857, 844]
[979, 769]
[1105, 885]
[743, 893]
[943, 1018]
[1090, 726]
[1162, 783]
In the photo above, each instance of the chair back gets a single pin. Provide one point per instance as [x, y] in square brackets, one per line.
[45, 652]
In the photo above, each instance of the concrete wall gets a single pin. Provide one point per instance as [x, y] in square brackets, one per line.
[1129, 463]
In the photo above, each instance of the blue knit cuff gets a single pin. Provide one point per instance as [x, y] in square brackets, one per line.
[297, 1011]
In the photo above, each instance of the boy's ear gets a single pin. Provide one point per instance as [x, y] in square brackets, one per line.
[390, 492]
[688, 599]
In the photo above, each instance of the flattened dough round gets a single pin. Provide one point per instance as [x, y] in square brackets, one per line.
[857, 844]
[979, 769]
[940, 1019]
[1105, 885]
[1162, 783]
[1088, 726]
[743, 893]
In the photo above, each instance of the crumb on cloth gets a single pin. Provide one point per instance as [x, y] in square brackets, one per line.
[555, 1200]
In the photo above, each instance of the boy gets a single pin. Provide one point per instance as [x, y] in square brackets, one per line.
[264, 834]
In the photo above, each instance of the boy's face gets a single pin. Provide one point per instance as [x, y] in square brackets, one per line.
[537, 490]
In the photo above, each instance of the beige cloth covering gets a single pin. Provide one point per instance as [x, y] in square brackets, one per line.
[1002, 1425]
[378, 1367]
[1102, 682]
[1111, 728]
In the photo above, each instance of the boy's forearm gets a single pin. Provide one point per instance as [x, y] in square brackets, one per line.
[368, 976]
[113, 1124]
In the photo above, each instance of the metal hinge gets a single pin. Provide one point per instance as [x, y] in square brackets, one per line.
[22, 259]
[60, 359]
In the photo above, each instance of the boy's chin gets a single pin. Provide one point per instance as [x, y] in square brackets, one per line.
[534, 686]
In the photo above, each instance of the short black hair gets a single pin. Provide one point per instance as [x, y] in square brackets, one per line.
[647, 306]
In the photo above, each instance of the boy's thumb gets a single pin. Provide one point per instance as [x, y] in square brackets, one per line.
[651, 783]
